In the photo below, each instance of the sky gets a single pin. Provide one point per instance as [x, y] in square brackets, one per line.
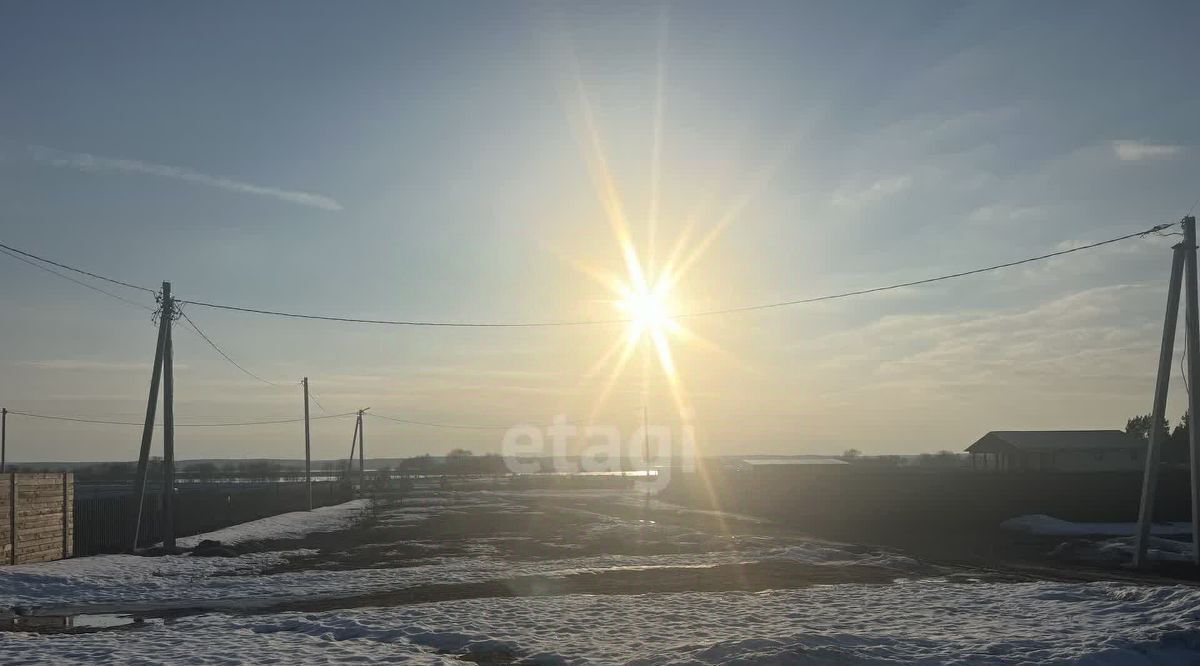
[464, 161]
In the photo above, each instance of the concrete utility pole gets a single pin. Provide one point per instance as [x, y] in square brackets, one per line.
[307, 449]
[1192, 319]
[139, 487]
[168, 490]
[1184, 262]
[353, 445]
[646, 451]
[1157, 412]
[362, 444]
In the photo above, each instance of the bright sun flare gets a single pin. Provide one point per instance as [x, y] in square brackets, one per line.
[647, 309]
[644, 293]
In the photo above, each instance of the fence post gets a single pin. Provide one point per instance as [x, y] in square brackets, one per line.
[63, 554]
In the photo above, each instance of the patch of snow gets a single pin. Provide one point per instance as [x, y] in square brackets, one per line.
[930, 622]
[1051, 526]
[1120, 550]
[124, 579]
[292, 525]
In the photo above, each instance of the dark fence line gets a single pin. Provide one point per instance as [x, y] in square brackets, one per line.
[104, 524]
[841, 499]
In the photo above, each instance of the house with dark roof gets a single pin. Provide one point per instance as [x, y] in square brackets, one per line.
[1058, 450]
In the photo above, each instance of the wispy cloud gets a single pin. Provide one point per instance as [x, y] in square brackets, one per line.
[876, 191]
[1137, 151]
[97, 164]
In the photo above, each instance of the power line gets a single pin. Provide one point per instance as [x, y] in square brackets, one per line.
[135, 304]
[939, 278]
[222, 353]
[312, 396]
[75, 419]
[400, 322]
[437, 425]
[597, 322]
[77, 270]
[81, 283]
[707, 313]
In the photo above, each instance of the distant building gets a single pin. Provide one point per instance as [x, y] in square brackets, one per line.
[764, 463]
[1058, 450]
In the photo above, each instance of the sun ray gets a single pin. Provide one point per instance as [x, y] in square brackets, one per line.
[653, 279]
[644, 291]
[689, 337]
[604, 359]
[607, 279]
[677, 251]
[631, 343]
[606, 189]
[763, 177]
[656, 144]
[668, 365]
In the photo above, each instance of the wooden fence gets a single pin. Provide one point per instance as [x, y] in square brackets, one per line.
[105, 524]
[37, 523]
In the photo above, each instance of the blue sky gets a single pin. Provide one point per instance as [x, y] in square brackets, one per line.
[431, 161]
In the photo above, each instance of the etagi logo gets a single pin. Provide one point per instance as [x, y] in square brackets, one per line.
[601, 450]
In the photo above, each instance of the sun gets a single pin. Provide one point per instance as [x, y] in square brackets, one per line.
[644, 293]
[647, 310]
[643, 298]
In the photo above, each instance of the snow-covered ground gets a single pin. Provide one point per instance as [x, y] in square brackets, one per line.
[928, 622]
[285, 526]
[1114, 550]
[1051, 526]
[918, 618]
[130, 581]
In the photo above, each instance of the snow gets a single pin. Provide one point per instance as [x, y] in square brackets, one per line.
[929, 622]
[1051, 526]
[914, 619]
[286, 525]
[145, 580]
[1120, 550]
[129, 580]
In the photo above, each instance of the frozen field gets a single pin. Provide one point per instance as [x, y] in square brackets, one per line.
[577, 577]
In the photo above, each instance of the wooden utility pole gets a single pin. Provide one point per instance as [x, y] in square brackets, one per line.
[3, 438]
[139, 487]
[1192, 321]
[168, 489]
[1158, 411]
[307, 449]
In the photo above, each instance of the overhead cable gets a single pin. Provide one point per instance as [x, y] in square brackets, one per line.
[75, 419]
[600, 322]
[456, 426]
[81, 283]
[222, 353]
[77, 270]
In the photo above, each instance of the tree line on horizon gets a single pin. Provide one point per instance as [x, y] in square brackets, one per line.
[1175, 440]
[456, 462]
[943, 458]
